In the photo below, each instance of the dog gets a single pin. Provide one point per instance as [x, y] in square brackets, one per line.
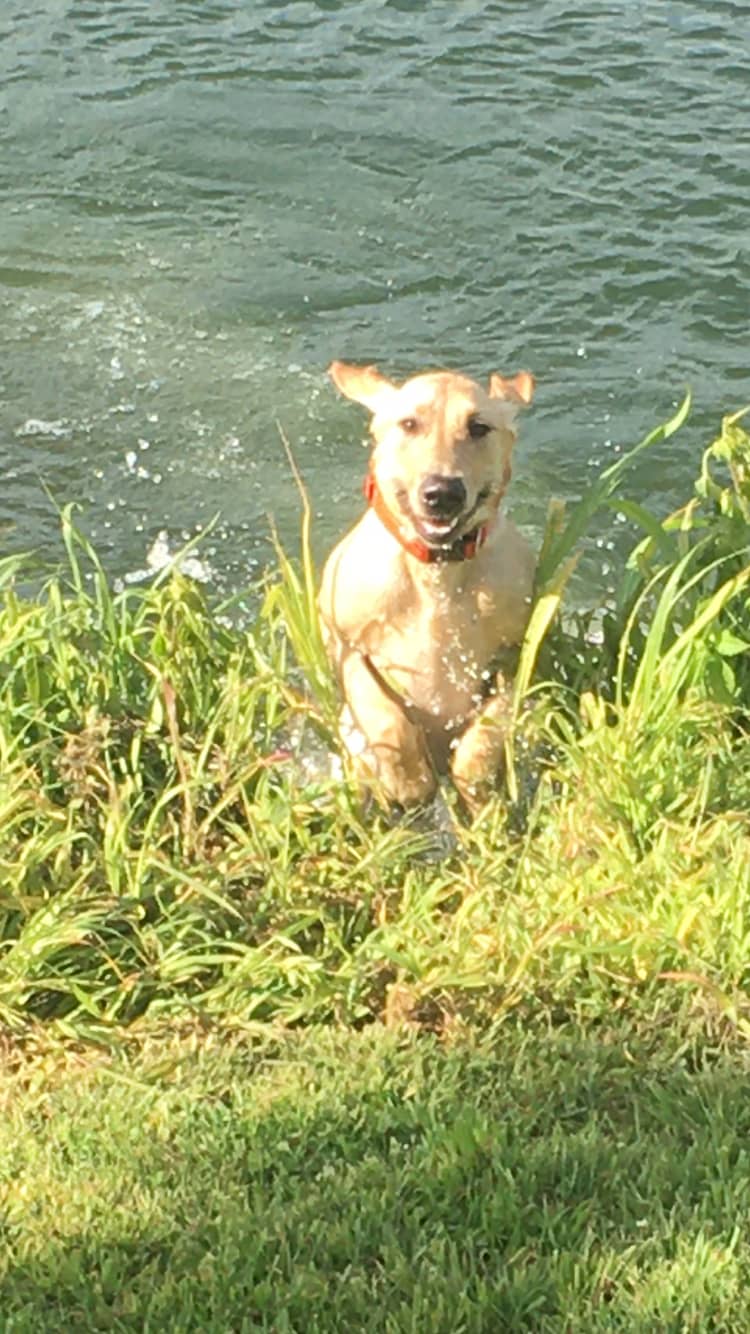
[419, 600]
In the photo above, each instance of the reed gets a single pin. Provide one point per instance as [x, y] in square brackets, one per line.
[171, 843]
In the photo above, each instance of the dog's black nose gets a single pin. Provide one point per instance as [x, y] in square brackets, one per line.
[442, 496]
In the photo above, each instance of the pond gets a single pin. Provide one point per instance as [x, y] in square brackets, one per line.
[205, 201]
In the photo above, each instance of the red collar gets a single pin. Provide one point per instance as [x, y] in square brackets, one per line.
[464, 548]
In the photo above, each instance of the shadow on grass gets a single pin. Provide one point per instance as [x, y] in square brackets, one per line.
[556, 1181]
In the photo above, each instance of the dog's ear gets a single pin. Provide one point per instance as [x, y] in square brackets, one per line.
[518, 389]
[364, 384]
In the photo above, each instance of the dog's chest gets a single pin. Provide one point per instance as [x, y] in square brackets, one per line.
[437, 651]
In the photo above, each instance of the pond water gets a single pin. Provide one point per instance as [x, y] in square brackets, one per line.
[205, 201]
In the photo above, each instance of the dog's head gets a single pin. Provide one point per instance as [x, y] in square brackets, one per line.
[442, 444]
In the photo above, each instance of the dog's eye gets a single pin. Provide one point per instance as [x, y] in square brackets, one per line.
[409, 425]
[478, 429]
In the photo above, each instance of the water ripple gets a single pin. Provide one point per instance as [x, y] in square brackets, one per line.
[200, 196]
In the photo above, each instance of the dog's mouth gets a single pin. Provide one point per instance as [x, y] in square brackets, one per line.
[443, 532]
[437, 532]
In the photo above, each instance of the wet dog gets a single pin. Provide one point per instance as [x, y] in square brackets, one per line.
[420, 599]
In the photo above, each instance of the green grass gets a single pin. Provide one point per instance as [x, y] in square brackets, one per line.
[442, 1075]
[329, 1182]
[166, 850]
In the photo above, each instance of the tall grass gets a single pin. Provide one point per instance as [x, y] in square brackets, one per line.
[168, 846]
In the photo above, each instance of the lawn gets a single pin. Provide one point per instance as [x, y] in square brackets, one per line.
[274, 1060]
[552, 1179]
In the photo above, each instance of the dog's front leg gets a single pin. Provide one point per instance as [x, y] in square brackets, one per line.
[478, 761]
[395, 754]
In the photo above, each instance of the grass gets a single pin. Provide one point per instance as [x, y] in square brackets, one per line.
[441, 1075]
[166, 848]
[331, 1181]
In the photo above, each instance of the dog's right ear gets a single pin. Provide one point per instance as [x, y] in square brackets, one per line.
[518, 389]
[364, 384]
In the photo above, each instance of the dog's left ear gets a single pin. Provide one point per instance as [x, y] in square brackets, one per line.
[364, 384]
[518, 389]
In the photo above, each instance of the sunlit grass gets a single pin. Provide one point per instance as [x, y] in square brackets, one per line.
[172, 844]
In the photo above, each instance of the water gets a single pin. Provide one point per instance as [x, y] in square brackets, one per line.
[205, 201]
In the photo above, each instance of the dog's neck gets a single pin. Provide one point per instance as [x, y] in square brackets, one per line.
[463, 548]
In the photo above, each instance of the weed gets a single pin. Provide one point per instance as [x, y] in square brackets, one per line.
[167, 848]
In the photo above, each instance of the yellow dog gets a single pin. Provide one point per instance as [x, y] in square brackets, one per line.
[419, 599]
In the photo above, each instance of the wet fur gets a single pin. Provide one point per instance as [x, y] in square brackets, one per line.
[416, 645]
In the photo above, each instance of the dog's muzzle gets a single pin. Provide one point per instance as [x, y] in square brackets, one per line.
[442, 497]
